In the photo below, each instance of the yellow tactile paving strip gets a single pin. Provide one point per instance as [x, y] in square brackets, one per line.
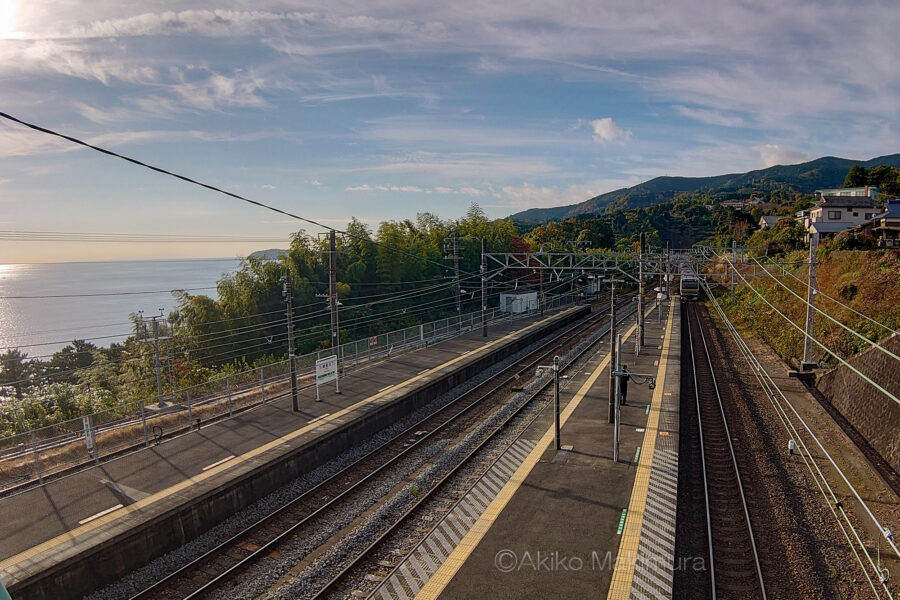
[467, 545]
[9, 565]
[623, 574]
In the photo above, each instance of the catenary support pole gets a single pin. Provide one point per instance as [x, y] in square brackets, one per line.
[611, 417]
[640, 317]
[556, 399]
[288, 294]
[333, 301]
[808, 362]
[484, 331]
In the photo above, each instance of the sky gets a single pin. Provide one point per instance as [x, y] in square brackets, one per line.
[387, 108]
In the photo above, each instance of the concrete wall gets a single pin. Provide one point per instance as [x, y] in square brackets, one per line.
[873, 414]
[189, 517]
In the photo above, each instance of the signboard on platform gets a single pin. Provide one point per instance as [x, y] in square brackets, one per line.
[326, 369]
[88, 433]
[373, 340]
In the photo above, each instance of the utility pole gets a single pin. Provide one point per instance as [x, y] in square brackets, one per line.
[640, 317]
[556, 398]
[451, 245]
[333, 302]
[808, 362]
[734, 267]
[155, 320]
[483, 286]
[289, 308]
[611, 417]
[614, 367]
[541, 296]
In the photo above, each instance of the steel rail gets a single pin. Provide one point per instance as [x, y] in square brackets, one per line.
[733, 456]
[230, 542]
[334, 582]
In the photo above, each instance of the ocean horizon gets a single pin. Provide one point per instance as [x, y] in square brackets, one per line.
[45, 306]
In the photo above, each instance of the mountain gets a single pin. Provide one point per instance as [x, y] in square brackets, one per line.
[271, 254]
[825, 172]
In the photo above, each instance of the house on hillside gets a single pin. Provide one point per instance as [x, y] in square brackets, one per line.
[834, 214]
[748, 204]
[869, 191]
[885, 226]
[766, 221]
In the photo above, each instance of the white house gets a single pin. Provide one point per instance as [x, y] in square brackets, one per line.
[869, 191]
[834, 214]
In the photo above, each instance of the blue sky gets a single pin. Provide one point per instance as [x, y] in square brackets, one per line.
[387, 108]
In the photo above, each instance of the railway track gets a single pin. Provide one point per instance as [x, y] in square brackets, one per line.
[220, 567]
[402, 537]
[734, 565]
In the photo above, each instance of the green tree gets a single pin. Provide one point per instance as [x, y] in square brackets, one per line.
[856, 177]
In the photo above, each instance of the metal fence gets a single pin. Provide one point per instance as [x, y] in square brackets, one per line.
[31, 456]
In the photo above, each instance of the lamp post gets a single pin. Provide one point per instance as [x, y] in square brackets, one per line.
[555, 368]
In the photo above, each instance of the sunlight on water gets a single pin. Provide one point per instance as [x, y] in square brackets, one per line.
[40, 326]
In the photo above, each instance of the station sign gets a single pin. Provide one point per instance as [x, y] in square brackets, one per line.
[326, 369]
[89, 440]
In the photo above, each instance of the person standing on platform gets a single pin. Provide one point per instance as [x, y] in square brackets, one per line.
[623, 384]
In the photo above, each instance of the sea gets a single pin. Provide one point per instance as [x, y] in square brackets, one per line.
[43, 307]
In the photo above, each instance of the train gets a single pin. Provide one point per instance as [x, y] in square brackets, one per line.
[690, 286]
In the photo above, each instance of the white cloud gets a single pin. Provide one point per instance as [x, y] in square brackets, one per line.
[385, 188]
[528, 195]
[268, 186]
[606, 130]
[713, 117]
[773, 154]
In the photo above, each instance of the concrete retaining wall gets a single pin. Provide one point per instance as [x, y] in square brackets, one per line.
[873, 414]
[189, 517]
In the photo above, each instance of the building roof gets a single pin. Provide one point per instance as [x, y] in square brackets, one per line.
[892, 210]
[769, 220]
[820, 227]
[847, 202]
[857, 191]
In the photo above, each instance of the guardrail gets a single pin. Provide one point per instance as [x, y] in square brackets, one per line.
[50, 451]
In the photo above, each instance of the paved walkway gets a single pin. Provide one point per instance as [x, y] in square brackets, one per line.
[572, 523]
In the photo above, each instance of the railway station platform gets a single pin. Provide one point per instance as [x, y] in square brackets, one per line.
[72, 535]
[570, 523]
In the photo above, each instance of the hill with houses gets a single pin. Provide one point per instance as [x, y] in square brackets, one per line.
[825, 172]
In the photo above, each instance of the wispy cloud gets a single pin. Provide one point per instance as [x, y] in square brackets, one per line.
[773, 154]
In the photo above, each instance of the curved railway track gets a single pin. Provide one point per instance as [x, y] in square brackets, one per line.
[221, 566]
[734, 566]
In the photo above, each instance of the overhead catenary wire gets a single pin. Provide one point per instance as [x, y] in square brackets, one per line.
[770, 387]
[838, 302]
[829, 317]
[813, 339]
[213, 188]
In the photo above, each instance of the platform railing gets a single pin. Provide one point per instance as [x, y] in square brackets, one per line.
[31, 456]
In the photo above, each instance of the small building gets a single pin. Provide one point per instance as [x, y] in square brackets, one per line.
[518, 302]
[868, 191]
[766, 221]
[834, 214]
[885, 227]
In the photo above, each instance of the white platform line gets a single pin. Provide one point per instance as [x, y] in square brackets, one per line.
[386, 387]
[100, 514]
[319, 418]
[218, 462]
